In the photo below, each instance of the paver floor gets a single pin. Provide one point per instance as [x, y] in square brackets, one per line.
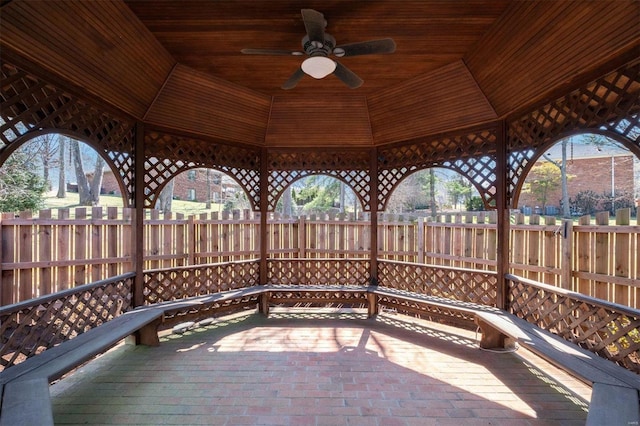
[319, 369]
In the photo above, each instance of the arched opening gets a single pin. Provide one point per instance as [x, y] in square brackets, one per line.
[201, 190]
[53, 170]
[432, 191]
[318, 195]
[581, 175]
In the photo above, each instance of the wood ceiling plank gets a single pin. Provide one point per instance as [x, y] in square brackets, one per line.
[99, 46]
[537, 46]
[445, 99]
[198, 103]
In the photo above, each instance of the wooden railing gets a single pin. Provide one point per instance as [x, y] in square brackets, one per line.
[607, 329]
[29, 328]
[465, 285]
[161, 285]
[610, 330]
[64, 248]
[334, 271]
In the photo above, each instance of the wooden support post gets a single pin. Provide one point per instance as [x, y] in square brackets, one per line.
[491, 337]
[264, 205]
[148, 335]
[138, 203]
[373, 208]
[373, 307]
[502, 210]
[263, 303]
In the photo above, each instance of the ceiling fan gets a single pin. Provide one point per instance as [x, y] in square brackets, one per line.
[318, 45]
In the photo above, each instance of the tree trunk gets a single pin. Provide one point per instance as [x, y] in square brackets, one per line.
[165, 198]
[432, 192]
[84, 191]
[566, 212]
[96, 182]
[209, 194]
[287, 202]
[62, 177]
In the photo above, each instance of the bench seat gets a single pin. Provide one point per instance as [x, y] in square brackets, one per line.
[315, 294]
[613, 386]
[25, 386]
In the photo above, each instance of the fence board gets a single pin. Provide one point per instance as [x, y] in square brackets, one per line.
[622, 250]
[601, 256]
[60, 251]
[44, 254]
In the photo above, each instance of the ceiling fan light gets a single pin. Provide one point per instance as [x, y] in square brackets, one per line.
[318, 66]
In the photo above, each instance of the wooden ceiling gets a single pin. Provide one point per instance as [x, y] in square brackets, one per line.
[208, 36]
[177, 64]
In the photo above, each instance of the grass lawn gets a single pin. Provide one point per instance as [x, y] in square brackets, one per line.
[178, 206]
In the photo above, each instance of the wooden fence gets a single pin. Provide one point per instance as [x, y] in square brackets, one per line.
[64, 248]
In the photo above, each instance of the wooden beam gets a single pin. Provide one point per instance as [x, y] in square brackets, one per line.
[264, 205]
[373, 208]
[502, 210]
[138, 203]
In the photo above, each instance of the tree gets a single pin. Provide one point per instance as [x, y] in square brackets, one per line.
[564, 178]
[62, 176]
[20, 188]
[543, 179]
[45, 149]
[409, 195]
[89, 192]
[318, 193]
[459, 190]
[428, 182]
[166, 197]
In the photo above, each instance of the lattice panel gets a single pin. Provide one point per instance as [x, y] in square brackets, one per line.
[318, 271]
[328, 298]
[210, 310]
[428, 312]
[611, 103]
[29, 104]
[612, 334]
[458, 284]
[29, 330]
[350, 166]
[162, 285]
[168, 155]
[471, 154]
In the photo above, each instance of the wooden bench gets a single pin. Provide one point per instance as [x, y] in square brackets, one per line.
[25, 386]
[614, 397]
[615, 390]
[350, 295]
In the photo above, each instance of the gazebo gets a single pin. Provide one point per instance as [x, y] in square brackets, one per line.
[480, 87]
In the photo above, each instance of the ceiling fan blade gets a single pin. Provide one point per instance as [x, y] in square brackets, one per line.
[347, 76]
[293, 80]
[271, 52]
[314, 23]
[372, 47]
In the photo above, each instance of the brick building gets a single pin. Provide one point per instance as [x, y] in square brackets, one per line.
[603, 171]
[192, 185]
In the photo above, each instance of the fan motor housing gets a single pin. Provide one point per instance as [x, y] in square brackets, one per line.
[312, 48]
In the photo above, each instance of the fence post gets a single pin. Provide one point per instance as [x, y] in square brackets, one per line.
[44, 247]
[566, 278]
[420, 253]
[191, 240]
[621, 294]
[7, 254]
[602, 255]
[302, 236]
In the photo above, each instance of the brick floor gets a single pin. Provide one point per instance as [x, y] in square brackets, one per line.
[319, 369]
